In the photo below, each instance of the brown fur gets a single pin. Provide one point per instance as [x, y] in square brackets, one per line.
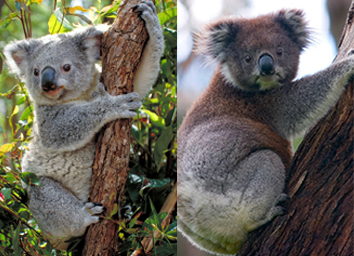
[240, 108]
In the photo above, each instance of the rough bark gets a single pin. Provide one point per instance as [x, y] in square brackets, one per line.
[320, 214]
[121, 51]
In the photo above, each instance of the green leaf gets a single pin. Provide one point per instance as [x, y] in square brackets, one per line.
[112, 10]
[155, 119]
[152, 101]
[153, 210]
[114, 211]
[166, 249]
[26, 113]
[133, 186]
[34, 1]
[7, 20]
[14, 112]
[18, 5]
[162, 144]
[30, 178]
[167, 15]
[21, 100]
[6, 192]
[154, 221]
[71, 11]
[58, 24]
[6, 148]
[16, 240]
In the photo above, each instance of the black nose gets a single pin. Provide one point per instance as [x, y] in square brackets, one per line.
[266, 65]
[48, 79]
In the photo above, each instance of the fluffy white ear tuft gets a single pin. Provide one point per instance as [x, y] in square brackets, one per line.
[216, 38]
[17, 54]
[294, 23]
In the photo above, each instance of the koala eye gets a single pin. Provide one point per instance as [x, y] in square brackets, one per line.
[36, 72]
[66, 67]
[248, 59]
[279, 52]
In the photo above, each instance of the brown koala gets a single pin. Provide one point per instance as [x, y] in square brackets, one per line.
[234, 144]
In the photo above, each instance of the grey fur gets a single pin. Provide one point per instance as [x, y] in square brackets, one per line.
[68, 116]
[234, 143]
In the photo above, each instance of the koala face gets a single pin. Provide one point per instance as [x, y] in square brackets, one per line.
[57, 68]
[259, 54]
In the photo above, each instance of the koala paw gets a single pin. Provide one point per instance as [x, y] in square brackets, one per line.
[147, 12]
[124, 105]
[350, 53]
[101, 91]
[94, 208]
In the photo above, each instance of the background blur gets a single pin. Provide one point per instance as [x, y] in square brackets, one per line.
[326, 20]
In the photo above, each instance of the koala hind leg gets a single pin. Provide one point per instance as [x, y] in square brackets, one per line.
[59, 214]
[264, 190]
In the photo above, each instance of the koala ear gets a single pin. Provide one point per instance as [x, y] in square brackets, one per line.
[18, 53]
[216, 38]
[90, 39]
[293, 22]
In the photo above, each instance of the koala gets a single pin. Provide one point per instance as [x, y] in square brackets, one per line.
[70, 107]
[234, 144]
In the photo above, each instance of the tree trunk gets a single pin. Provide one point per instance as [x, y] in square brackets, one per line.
[121, 51]
[320, 215]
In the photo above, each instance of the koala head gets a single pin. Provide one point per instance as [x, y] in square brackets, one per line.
[57, 68]
[257, 54]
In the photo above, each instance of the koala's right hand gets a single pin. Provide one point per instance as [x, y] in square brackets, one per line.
[71, 126]
[123, 106]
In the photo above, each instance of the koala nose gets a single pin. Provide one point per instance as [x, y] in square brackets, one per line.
[266, 65]
[48, 82]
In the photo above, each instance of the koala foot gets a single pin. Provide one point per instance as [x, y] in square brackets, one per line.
[94, 208]
[283, 197]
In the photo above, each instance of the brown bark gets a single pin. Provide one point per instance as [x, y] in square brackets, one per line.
[121, 51]
[320, 184]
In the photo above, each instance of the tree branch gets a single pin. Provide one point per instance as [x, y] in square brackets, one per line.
[320, 183]
[121, 52]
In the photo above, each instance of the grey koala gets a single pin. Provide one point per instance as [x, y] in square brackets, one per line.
[234, 144]
[70, 107]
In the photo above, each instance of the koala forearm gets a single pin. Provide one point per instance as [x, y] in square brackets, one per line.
[310, 98]
[148, 70]
[149, 67]
[69, 127]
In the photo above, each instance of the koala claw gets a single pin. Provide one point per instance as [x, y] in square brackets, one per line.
[350, 53]
[94, 208]
[101, 91]
[129, 96]
[278, 210]
[140, 8]
[283, 197]
[145, 8]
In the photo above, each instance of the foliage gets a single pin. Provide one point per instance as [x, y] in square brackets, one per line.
[153, 146]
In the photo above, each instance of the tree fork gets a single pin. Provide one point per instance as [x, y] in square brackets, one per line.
[122, 47]
[320, 216]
